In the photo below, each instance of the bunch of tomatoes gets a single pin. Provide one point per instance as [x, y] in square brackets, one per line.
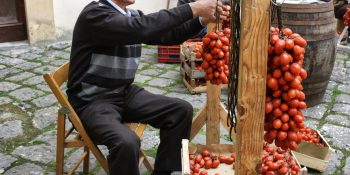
[208, 160]
[285, 98]
[227, 21]
[346, 17]
[311, 136]
[215, 54]
[278, 162]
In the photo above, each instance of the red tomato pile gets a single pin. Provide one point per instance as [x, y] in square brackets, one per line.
[215, 54]
[226, 23]
[278, 162]
[285, 98]
[346, 17]
[208, 160]
[311, 136]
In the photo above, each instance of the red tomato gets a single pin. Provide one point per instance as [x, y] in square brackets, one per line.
[289, 44]
[281, 135]
[284, 59]
[216, 163]
[279, 46]
[206, 40]
[208, 164]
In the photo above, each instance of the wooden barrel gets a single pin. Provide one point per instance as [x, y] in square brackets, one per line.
[316, 23]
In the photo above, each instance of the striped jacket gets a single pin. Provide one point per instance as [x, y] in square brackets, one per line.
[106, 47]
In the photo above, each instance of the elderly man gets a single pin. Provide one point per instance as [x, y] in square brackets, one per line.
[106, 51]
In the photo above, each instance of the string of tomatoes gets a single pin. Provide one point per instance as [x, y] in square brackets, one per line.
[285, 98]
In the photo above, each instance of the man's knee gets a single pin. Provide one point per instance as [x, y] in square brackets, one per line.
[185, 107]
[128, 142]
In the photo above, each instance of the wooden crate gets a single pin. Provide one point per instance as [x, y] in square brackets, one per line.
[187, 52]
[193, 73]
[313, 156]
[220, 149]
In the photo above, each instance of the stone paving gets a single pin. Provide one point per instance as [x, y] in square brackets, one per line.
[28, 109]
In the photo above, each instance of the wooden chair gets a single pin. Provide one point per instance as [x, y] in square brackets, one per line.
[55, 80]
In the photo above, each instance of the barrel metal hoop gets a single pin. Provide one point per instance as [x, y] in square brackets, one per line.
[308, 23]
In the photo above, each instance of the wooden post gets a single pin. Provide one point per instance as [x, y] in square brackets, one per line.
[252, 85]
[213, 114]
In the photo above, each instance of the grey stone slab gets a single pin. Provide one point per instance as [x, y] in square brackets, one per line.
[37, 50]
[11, 61]
[161, 82]
[60, 45]
[45, 101]
[30, 56]
[338, 136]
[171, 75]
[28, 65]
[25, 94]
[34, 80]
[40, 153]
[343, 98]
[311, 123]
[44, 69]
[346, 168]
[58, 62]
[334, 162]
[331, 85]
[180, 88]
[142, 65]
[45, 117]
[8, 71]
[201, 139]
[11, 129]
[17, 52]
[69, 163]
[25, 169]
[327, 97]
[20, 76]
[2, 67]
[50, 138]
[150, 139]
[8, 86]
[316, 111]
[5, 100]
[7, 115]
[155, 90]
[341, 108]
[163, 66]
[339, 119]
[151, 72]
[58, 54]
[344, 88]
[6, 161]
[339, 72]
[197, 100]
[149, 58]
[142, 78]
[43, 87]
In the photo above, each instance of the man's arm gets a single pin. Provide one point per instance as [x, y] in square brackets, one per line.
[106, 27]
[179, 34]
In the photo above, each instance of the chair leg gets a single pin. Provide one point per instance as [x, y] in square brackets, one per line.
[60, 144]
[146, 162]
[86, 160]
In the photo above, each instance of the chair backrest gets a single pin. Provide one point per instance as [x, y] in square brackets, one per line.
[55, 80]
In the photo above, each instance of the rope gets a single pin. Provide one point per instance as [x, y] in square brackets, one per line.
[233, 64]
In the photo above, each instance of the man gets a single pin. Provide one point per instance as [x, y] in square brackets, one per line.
[105, 54]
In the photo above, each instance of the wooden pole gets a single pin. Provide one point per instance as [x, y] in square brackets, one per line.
[252, 85]
[213, 114]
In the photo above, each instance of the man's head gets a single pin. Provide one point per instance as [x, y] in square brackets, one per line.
[124, 3]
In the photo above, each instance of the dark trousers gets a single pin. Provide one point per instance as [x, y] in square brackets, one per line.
[103, 121]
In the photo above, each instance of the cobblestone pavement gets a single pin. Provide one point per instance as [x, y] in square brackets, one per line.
[28, 109]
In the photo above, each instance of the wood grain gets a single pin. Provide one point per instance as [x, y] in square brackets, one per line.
[213, 114]
[252, 85]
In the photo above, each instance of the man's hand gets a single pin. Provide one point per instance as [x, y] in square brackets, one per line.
[206, 9]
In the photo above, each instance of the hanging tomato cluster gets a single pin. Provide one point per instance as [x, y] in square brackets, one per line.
[311, 136]
[215, 54]
[285, 98]
[208, 160]
[226, 22]
[278, 162]
[346, 17]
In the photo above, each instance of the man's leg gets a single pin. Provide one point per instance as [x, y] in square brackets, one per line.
[172, 116]
[103, 124]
